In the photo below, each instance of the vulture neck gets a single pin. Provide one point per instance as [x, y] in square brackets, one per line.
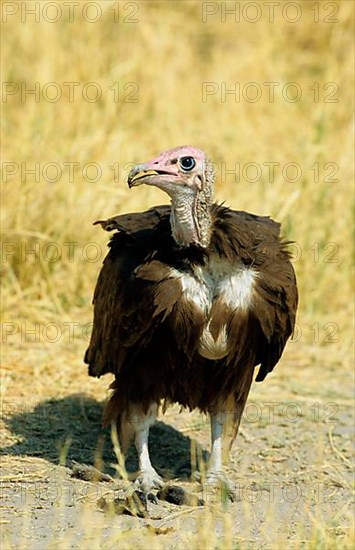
[190, 218]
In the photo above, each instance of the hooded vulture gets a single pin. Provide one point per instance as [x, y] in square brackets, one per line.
[191, 298]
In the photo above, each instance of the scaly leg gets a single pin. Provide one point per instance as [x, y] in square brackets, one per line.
[217, 424]
[139, 423]
[215, 474]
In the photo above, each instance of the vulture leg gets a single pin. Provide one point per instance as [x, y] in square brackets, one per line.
[216, 477]
[215, 474]
[217, 425]
[138, 425]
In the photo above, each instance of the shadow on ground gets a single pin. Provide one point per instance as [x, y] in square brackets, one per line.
[59, 430]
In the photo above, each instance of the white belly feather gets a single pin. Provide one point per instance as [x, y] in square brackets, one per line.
[233, 285]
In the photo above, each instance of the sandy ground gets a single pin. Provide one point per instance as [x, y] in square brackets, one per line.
[290, 466]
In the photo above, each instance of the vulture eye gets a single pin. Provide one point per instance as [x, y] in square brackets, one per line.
[187, 163]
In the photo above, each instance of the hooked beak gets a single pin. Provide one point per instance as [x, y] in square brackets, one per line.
[144, 173]
[138, 174]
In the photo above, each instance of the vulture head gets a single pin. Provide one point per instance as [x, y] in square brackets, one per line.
[187, 176]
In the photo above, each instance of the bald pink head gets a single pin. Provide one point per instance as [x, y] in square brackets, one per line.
[181, 167]
[187, 176]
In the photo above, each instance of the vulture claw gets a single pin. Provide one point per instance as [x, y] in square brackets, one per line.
[148, 480]
[218, 483]
[152, 498]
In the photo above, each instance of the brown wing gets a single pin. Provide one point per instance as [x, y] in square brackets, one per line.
[259, 335]
[134, 292]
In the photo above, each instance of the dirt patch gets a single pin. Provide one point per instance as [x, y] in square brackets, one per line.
[291, 469]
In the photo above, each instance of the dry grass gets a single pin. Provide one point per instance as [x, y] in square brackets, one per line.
[169, 54]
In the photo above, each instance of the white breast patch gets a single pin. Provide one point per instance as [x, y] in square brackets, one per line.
[233, 284]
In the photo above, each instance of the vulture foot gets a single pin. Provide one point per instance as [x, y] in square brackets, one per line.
[148, 480]
[217, 483]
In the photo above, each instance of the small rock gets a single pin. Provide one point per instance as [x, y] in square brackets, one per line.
[134, 504]
[88, 473]
[179, 496]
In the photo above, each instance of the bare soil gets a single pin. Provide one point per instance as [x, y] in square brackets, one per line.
[291, 464]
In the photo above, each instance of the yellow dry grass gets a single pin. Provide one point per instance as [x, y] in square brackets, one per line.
[161, 65]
